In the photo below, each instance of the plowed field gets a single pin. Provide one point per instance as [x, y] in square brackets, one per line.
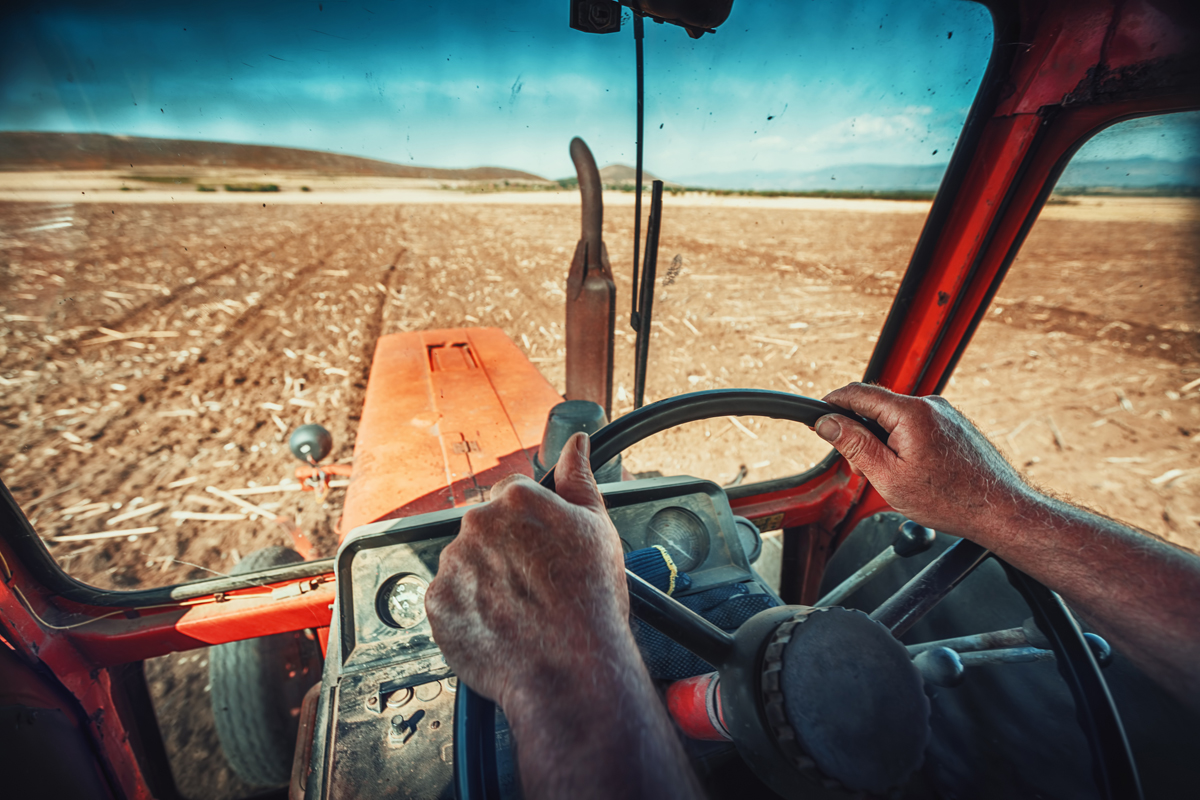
[151, 350]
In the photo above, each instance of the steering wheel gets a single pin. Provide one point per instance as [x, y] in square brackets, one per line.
[792, 693]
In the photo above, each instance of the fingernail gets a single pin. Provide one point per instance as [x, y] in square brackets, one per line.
[585, 446]
[828, 428]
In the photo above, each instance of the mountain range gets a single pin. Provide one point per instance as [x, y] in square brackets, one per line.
[1120, 174]
[25, 150]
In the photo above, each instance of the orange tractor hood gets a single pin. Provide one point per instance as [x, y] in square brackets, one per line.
[447, 414]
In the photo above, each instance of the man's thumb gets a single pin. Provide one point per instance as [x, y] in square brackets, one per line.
[861, 448]
[573, 478]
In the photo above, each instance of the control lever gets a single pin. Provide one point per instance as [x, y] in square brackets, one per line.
[943, 662]
[911, 540]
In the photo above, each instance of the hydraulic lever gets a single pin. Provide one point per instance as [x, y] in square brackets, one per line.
[646, 296]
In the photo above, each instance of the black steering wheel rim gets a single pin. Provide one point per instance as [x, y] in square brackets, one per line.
[475, 769]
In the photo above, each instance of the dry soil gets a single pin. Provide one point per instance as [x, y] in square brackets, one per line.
[149, 350]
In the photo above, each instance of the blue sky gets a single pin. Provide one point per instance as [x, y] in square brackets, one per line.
[784, 85]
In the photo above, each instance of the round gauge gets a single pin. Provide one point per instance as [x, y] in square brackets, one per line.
[681, 534]
[750, 537]
[401, 601]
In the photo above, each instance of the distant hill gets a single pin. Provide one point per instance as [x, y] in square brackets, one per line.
[1130, 173]
[1118, 174]
[24, 151]
[850, 177]
[623, 173]
[620, 175]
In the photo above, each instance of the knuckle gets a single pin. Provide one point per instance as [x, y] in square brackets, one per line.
[930, 407]
[472, 521]
[434, 601]
[520, 493]
[502, 486]
[938, 402]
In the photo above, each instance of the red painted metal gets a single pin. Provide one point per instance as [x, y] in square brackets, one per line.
[92, 686]
[1066, 43]
[695, 705]
[824, 500]
[1080, 65]
[1004, 146]
[117, 640]
[447, 414]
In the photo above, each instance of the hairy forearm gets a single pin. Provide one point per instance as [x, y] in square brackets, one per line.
[599, 734]
[940, 470]
[1138, 591]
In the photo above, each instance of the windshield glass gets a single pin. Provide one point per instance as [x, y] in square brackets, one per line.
[176, 304]
[1086, 370]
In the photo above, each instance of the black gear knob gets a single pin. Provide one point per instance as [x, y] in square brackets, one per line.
[310, 443]
[913, 539]
[940, 666]
[1101, 650]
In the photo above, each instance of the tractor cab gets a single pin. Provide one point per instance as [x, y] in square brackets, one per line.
[185, 313]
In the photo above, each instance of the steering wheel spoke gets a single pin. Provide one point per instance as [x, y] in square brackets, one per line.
[678, 622]
[792, 643]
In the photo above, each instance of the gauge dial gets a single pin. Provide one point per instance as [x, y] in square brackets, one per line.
[681, 534]
[401, 601]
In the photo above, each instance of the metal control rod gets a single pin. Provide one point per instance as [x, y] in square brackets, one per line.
[944, 665]
[912, 539]
[646, 303]
[1012, 637]
[927, 588]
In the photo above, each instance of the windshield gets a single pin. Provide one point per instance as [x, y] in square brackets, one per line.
[1086, 369]
[175, 304]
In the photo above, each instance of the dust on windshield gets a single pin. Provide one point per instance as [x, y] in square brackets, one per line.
[211, 213]
[1086, 370]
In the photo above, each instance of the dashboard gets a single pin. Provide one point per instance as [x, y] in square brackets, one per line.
[385, 711]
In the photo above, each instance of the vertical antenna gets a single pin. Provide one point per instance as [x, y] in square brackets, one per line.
[635, 291]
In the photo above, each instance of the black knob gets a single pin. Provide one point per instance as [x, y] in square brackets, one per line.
[565, 419]
[940, 666]
[310, 443]
[913, 539]
[1101, 650]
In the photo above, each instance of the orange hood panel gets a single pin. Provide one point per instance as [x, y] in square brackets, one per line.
[447, 414]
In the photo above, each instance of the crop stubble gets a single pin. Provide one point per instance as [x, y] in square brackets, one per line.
[1078, 371]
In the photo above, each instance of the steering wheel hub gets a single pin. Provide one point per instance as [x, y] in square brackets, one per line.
[841, 696]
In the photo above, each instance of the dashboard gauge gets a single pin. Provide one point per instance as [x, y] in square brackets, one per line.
[750, 537]
[401, 601]
[681, 534]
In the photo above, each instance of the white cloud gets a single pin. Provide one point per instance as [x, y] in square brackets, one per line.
[868, 128]
[770, 143]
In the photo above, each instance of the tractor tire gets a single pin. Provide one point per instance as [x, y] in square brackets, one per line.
[257, 686]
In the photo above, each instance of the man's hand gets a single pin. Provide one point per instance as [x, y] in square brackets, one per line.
[531, 609]
[528, 569]
[936, 467]
[939, 470]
